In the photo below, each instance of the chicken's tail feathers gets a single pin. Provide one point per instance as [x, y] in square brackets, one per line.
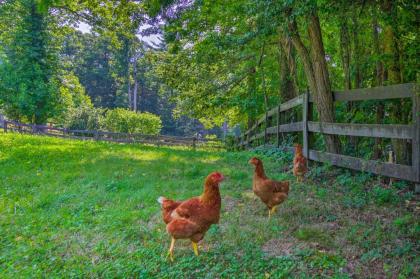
[161, 200]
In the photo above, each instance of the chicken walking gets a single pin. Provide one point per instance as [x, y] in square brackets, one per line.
[192, 218]
[271, 192]
[299, 163]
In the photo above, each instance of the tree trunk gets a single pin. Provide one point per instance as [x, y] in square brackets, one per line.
[316, 72]
[287, 70]
[261, 65]
[130, 105]
[393, 67]
[135, 86]
[252, 108]
[128, 74]
[379, 79]
[357, 54]
[345, 53]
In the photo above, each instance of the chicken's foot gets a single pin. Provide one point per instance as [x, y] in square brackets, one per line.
[195, 247]
[271, 211]
[171, 250]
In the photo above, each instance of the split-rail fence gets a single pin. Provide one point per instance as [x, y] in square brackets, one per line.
[159, 140]
[270, 125]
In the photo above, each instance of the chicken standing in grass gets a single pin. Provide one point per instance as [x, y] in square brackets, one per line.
[192, 218]
[299, 163]
[271, 192]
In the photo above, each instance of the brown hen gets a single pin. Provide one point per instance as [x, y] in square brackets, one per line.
[192, 218]
[271, 192]
[299, 163]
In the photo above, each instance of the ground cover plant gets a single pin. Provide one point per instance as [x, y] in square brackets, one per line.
[88, 209]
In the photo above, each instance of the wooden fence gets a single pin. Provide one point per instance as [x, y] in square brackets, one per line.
[110, 136]
[262, 130]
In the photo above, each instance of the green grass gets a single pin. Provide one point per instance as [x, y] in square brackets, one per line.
[88, 209]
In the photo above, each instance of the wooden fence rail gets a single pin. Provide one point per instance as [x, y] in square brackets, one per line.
[109, 136]
[260, 132]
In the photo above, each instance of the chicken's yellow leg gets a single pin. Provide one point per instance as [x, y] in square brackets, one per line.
[171, 250]
[269, 213]
[195, 247]
[273, 210]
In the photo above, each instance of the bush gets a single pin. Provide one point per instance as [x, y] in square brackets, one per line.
[84, 118]
[126, 121]
[230, 142]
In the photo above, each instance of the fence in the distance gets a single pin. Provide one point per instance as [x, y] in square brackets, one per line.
[110, 136]
[264, 128]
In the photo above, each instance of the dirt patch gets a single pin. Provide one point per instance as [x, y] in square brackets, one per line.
[328, 226]
[229, 203]
[154, 221]
[279, 247]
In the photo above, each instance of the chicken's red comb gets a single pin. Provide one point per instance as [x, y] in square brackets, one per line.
[217, 175]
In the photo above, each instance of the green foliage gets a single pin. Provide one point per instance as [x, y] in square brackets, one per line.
[277, 153]
[126, 121]
[408, 224]
[29, 75]
[84, 118]
[325, 261]
[72, 97]
[384, 195]
[314, 234]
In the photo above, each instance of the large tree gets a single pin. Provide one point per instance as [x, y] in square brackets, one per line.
[315, 66]
[29, 75]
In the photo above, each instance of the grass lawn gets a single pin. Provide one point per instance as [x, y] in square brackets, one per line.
[87, 209]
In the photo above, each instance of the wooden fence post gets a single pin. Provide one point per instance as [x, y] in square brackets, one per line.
[305, 124]
[416, 139]
[278, 125]
[5, 126]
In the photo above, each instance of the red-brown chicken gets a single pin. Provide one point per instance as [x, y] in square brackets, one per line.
[192, 218]
[271, 192]
[299, 163]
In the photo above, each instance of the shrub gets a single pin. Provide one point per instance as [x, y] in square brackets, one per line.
[230, 142]
[84, 118]
[126, 121]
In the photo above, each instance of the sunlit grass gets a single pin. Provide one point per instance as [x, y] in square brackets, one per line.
[88, 209]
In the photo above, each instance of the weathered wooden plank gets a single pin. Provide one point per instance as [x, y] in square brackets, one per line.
[363, 130]
[257, 136]
[385, 169]
[291, 103]
[376, 93]
[285, 128]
